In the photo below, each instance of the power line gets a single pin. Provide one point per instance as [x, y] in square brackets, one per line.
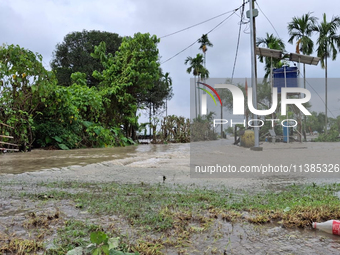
[179, 52]
[232, 13]
[198, 39]
[280, 37]
[238, 42]
[319, 96]
[223, 21]
[195, 25]
[268, 19]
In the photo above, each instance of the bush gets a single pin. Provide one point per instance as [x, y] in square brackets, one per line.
[202, 128]
[331, 136]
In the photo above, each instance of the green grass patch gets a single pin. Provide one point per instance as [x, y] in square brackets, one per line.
[73, 234]
[143, 205]
[177, 212]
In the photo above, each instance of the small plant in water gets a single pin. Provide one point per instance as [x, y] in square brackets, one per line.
[105, 245]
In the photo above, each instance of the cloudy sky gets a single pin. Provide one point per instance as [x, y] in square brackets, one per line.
[40, 24]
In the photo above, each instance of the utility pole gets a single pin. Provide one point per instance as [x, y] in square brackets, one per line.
[326, 95]
[305, 120]
[222, 124]
[254, 33]
[253, 70]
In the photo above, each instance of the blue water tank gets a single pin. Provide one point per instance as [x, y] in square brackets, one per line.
[279, 80]
[286, 131]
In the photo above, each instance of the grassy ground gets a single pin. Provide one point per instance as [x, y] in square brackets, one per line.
[160, 216]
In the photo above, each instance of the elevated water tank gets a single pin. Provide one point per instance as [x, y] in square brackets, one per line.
[279, 80]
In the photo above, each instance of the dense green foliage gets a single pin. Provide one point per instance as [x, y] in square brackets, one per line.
[127, 79]
[45, 113]
[271, 42]
[202, 128]
[25, 86]
[301, 30]
[71, 118]
[74, 55]
[316, 121]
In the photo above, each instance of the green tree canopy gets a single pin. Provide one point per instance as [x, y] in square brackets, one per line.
[160, 91]
[204, 42]
[127, 77]
[74, 55]
[24, 86]
[301, 29]
[195, 65]
[271, 42]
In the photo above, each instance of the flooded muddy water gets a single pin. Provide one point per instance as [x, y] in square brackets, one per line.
[36, 160]
[149, 163]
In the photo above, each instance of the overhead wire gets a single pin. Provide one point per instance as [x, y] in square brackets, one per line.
[280, 37]
[197, 39]
[179, 52]
[319, 96]
[268, 19]
[232, 13]
[238, 41]
[200, 23]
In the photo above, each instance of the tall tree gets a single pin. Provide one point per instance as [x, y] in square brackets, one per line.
[271, 42]
[155, 96]
[74, 55]
[197, 68]
[127, 77]
[204, 43]
[24, 85]
[168, 82]
[328, 45]
[301, 29]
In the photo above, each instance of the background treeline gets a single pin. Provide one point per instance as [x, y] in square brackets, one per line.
[90, 98]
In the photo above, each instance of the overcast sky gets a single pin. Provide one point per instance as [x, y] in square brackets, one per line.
[40, 24]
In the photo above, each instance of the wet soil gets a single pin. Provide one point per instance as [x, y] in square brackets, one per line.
[221, 238]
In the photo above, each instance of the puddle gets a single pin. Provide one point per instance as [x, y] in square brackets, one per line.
[245, 238]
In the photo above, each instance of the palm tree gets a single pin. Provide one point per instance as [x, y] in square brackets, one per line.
[168, 82]
[328, 43]
[271, 42]
[204, 41]
[203, 74]
[301, 29]
[196, 67]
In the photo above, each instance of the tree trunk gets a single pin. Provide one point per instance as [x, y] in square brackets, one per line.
[150, 119]
[304, 85]
[326, 94]
[195, 98]
[205, 57]
[199, 97]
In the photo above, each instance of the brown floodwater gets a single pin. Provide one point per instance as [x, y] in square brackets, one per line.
[36, 160]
